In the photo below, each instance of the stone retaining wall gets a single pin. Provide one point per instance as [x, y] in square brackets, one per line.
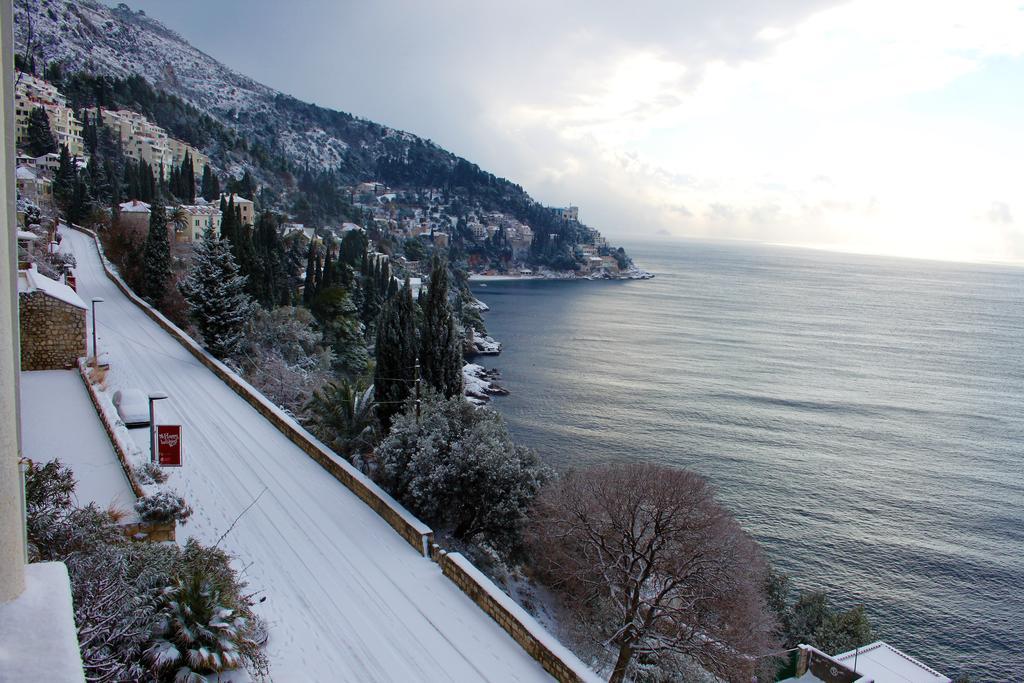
[52, 332]
[556, 659]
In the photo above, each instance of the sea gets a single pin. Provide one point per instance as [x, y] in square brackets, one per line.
[862, 416]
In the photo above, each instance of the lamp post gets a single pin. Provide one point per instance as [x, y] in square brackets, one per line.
[95, 352]
[153, 397]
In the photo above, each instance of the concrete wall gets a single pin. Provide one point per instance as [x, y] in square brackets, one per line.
[52, 332]
[12, 530]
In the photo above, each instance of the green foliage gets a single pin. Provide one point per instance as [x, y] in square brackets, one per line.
[134, 599]
[811, 620]
[156, 256]
[341, 415]
[214, 292]
[459, 469]
[395, 372]
[414, 249]
[40, 137]
[440, 343]
[339, 321]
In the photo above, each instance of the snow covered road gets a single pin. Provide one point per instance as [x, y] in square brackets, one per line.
[347, 599]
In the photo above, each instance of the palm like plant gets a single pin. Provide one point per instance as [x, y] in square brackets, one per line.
[343, 417]
[178, 218]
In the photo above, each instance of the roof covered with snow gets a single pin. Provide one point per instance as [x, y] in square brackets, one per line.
[26, 173]
[32, 280]
[885, 664]
[134, 206]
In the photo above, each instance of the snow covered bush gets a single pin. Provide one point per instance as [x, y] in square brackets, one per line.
[163, 507]
[150, 473]
[283, 356]
[123, 592]
[460, 470]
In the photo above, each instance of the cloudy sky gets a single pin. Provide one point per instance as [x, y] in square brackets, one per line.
[875, 126]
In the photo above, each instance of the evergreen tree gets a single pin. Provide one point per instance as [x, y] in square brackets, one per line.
[156, 260]
[440, 345]
[227, 222]
[215, 293]
[328, 277]
[210, 187]
[309, 283]
[395, 373]
[40, 137]
[338, 318]
[64, 179]
[270, 256]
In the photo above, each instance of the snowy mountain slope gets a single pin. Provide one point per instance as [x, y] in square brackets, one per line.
[84, 35]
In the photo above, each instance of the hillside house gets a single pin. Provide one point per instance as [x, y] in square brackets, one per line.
[135, 215]
[33, 186]
[52, 321]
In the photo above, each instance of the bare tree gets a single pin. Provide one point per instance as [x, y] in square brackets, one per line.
[646, 555]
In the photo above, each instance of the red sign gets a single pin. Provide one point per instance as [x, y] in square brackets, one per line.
[168, 440]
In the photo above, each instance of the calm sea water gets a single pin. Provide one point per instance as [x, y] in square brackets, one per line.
[863, 417]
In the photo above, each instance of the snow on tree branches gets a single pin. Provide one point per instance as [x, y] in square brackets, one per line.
[646, 555]
[216, 298]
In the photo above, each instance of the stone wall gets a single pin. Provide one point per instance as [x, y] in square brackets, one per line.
[52, 332]
[556, 659]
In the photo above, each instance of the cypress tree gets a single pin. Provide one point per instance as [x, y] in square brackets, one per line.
[395, 373]
[328, 277]
[309, 283]
[227, 222]
[215, 293]
[156, 259]
[440, 345]
[40, 137]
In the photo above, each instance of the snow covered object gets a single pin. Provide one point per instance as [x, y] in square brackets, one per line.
[197, 634]
[214, 291]
[165, 506]
[460, 469]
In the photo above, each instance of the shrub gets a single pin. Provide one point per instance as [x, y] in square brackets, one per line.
[163, 507]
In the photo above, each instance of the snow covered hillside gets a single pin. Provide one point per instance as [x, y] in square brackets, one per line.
[84, 35]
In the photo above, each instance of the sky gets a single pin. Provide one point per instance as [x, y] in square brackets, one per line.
[870, 126]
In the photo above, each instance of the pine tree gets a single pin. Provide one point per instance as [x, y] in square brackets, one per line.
[338, 317]
[64, 180]
[215, 293]
[40, 137]
[395, 373]
[440, 345]
[156, 260]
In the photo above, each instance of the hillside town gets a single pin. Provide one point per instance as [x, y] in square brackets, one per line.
[408, 224]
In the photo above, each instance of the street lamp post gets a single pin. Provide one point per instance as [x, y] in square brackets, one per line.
[153, 397]
[95, 352]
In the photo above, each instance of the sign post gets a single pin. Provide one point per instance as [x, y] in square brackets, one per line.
[168, 439]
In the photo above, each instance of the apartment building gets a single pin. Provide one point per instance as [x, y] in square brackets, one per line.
[145, 141]
[31, 92]
[200, 219]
